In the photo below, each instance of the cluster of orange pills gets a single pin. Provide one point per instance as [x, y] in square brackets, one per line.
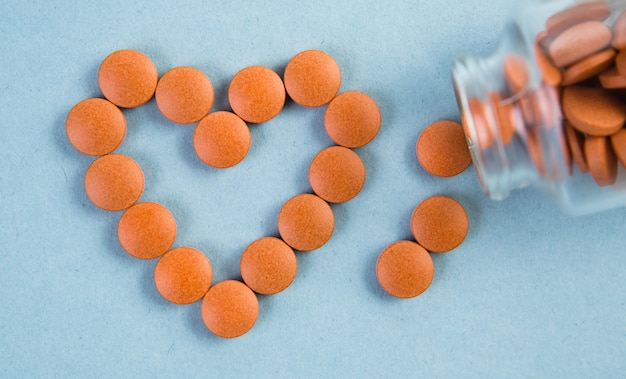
[581, 54]
[438, 224]
[184, 95]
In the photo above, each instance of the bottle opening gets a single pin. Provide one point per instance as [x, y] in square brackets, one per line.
[511, 117]
[547, 107]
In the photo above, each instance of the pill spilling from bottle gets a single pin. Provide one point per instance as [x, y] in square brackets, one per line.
[548, 107]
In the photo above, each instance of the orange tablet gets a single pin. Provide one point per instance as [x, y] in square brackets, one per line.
[95, 126]
[114, 182]
[184, 95]
[439, 224]
[593, 110]
[230, 309]
[312, 78]
[305, 222]
[337, 174]
[146, 230]
[221, 139]
[183, 275]
[256, 94]
[352, 119]
[442, 149]
[127, 78]
[404, 269]
[268, 265]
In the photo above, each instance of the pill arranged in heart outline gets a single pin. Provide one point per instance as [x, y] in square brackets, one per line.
[185, 95]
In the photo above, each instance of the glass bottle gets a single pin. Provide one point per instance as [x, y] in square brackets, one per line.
[512, 110]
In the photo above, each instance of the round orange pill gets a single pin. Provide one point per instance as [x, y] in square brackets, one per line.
[337, 174]
[230, 309]
[184, 95]
[305, 222]
[221, 139]
[183, 275]
[312, 78]
[404, 269]
[95, 126]
[127, 78]
[352, 119]
[146, 230]
[439, 224]
[256, 94]
[442, 149]
[268, 265]
[114, 182]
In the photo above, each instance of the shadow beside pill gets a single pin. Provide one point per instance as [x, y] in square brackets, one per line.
[60, 137]
[148, 287]
[195, 322]
[440, 263]
[111, 242]
[370, 278]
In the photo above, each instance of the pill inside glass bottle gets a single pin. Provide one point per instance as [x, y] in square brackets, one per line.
[548, 107]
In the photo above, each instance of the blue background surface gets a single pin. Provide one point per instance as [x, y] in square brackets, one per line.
[530, 293]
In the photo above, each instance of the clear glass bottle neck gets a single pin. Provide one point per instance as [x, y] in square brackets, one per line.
[514, 136]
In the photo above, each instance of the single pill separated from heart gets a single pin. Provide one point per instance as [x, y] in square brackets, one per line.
[183, 275]
[442, 149]
[439, 224]
[146, 230]
[127, 78]
[404, 269]
[114, 182]
[95, 126]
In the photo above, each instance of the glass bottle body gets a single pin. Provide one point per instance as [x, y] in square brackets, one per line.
[516, 109]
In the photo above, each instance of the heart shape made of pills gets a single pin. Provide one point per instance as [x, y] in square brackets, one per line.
[184, 95]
